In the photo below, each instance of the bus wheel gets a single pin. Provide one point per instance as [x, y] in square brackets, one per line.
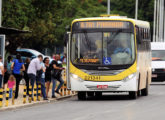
[90, 94]
[81, 95]
[133, 94]
[138, 93]
[98, 94]
[144, 92]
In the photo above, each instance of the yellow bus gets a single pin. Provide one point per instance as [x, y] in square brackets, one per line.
[109, 54]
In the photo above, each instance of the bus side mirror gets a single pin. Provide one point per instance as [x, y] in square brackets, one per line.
[138, 38]
[66, 38]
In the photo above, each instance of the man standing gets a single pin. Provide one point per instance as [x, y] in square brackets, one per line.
[34, 66]
[57, 69]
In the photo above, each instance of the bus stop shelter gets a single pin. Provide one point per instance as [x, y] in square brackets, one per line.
[7, 31]
[4, 31]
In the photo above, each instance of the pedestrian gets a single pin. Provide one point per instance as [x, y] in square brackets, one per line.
[8, 70]
[56, 74]
[34, 66]
[43, 90]
[1, 71]
[26, 77]
[11, 84]
[47, 74]
[9, 63]
[17, 67]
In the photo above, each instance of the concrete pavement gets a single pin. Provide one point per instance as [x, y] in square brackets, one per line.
[109, 107]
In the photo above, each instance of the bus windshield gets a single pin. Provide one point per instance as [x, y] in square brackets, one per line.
[102, 48]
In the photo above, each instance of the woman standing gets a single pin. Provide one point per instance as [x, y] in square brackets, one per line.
[1, 71]
[17, 66]
[43, 90]
[27, 62]
[47, 75]
[8, 72]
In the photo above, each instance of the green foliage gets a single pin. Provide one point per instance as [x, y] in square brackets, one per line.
[47, 19]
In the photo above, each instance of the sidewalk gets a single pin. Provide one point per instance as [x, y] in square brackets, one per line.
[18, 103]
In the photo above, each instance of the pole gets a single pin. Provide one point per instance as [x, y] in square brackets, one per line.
[163, 10]
[154, 33]
[160, 21]
[136, 10]
[0, 13]
[157, 21]
[108, 8]
[164, 20]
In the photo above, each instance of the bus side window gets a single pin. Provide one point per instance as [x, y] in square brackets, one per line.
[138, 35]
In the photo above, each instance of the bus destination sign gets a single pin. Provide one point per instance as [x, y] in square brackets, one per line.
[103, 24]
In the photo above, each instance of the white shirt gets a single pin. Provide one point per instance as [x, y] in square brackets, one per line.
[1, 65]
[34, 66]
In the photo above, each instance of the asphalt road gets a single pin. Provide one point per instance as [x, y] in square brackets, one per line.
[109, 107]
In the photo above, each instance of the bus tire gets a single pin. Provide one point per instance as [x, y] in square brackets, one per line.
[133, 94]
[90, 94]
[98, 94]
[144, 92]
[81, 95]
[138, 93]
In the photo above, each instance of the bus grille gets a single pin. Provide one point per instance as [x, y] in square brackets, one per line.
[97, 72]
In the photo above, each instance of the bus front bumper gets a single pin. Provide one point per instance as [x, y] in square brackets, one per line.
[110, 86]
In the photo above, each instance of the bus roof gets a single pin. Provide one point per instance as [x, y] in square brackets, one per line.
[157, 45]
[139, 23]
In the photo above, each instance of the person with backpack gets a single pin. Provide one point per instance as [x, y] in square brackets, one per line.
[17, 67]
[56, 75]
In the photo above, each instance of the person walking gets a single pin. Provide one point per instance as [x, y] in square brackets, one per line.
[43, 90]
[34, 66]
[56, 74]
[1, 71]
[26, 77]
[47, 74]
[11, 84]
[17, 66]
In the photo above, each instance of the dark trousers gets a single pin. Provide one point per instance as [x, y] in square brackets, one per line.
[0, 81]
[27, 82]
[32, 79]
[18, 79]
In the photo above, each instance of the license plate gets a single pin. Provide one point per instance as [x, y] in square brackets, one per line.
[154, 75]
[102, 86]
[92, 78]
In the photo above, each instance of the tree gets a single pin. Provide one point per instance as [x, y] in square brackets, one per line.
[47, 19]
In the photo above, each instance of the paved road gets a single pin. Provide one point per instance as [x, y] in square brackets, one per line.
[112, 107]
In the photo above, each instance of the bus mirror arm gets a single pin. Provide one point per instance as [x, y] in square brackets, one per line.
[139, 39]
[66, 38]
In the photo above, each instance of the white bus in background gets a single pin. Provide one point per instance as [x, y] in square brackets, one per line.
[158, 61]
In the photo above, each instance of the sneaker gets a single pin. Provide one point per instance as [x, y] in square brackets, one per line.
[53, 96]
[57, 92]
[45, 99]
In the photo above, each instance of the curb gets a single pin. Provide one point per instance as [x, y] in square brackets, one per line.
[15, 107]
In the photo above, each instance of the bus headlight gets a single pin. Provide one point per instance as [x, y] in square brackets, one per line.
[75, 77]
[129, 77]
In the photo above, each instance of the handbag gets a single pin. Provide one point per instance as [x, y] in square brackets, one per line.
[56, 73]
